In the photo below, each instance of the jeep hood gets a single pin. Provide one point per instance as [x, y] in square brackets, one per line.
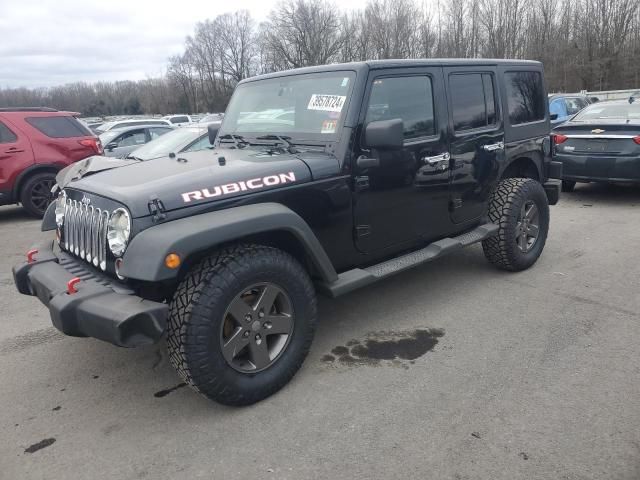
[192, 178]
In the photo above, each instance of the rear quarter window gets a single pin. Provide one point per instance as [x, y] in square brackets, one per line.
[6, 135]
[59, 127]
[525, 97]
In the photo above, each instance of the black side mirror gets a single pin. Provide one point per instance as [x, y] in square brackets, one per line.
[213, 132]
[384, 134]
[111, 146]
[553, 116]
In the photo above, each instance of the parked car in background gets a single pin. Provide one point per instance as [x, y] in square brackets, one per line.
[34, 144]
[120, 142]
[132, 122]
[564, 106]
[211, 117]
[178, 120]
[600, 144]
[185, 139]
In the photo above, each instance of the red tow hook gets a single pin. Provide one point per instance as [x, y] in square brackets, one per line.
[31, 255]
[71, 285]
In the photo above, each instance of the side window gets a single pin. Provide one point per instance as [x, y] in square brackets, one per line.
[6, 135]
[155, 132]
[59, 126]
[132, 138]
[199, 144]
[179, 120]
[473, 101]
[525, 97]
[408, 98]
[574, 105]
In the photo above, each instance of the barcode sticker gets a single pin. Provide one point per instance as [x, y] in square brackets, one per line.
[326, 103]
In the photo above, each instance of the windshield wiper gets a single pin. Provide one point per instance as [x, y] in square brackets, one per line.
[133, 157]
[238, 140]
[282, 139]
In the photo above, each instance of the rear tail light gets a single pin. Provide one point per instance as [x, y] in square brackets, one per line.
[558, 138]
[637, 139]
[93, 143]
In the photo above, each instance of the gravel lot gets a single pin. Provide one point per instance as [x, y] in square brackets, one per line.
[532, 375]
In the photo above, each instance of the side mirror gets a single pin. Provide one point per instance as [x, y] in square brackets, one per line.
[384, 134]
[213, 132]
[111, 146]
[553, 116]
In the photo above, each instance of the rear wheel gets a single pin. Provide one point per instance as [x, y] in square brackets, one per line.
[568, 185]
[241, 323]
[35, 194]
[519, 206]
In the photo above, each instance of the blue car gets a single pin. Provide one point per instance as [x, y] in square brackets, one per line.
[564, 106]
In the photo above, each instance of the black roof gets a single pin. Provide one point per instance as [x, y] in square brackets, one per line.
[398, 63]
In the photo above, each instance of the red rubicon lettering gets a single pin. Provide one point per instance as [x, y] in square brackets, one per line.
[235, 187]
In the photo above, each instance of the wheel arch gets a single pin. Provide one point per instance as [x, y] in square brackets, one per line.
[29, 172]
[192, 238]
[524, 166]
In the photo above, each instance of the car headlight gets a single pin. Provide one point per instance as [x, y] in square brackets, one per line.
[61, 203]
[118, 231]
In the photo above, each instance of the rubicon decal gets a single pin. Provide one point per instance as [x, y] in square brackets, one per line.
[243, 186]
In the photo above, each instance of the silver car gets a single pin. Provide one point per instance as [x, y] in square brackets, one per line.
[185, 139]
[122, 141]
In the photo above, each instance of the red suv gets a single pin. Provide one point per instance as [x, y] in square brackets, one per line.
[34, 144]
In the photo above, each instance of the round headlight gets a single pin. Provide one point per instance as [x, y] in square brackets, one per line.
[60, 206]
[118, 231]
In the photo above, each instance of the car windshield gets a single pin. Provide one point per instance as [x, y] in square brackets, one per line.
[302, 107]
[617, 111]
[174, 141]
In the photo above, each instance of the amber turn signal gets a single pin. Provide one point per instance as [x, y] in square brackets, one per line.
[172, 261]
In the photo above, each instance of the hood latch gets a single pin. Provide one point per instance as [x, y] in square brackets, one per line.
[156, 208]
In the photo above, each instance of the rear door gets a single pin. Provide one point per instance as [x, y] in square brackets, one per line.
[15, 155]
[404, 199]
[477, 139]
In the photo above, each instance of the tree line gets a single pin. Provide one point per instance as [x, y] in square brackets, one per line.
[584, 44]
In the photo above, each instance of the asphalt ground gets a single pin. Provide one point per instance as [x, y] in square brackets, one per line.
[498, 376]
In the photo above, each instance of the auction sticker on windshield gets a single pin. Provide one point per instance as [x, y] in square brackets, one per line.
[326, 103]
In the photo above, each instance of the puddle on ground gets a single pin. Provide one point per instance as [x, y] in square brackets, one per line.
[397, 347]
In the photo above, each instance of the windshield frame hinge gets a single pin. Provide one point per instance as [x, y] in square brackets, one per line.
[156, 209]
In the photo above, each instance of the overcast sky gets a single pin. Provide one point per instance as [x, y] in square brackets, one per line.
[51, 42]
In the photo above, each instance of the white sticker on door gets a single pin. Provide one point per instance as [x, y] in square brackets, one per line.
[326, 103]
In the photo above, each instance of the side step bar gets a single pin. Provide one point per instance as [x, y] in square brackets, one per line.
[359, 277]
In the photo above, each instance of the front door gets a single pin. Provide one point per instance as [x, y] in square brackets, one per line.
[477, 140]
[404, 199]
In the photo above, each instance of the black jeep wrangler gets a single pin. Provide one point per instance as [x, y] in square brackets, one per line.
[320, 179]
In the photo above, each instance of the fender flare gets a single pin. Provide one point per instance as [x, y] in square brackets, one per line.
[144, 257]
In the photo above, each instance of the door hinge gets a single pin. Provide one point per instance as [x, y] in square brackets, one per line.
[156, 209]
[363, 230]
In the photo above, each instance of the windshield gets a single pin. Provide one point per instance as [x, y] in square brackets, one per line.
[174, 141]
[303, 107]
[617, 111]
[105, 126]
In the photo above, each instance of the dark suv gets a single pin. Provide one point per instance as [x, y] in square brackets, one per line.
[322, 179]
[35, 143]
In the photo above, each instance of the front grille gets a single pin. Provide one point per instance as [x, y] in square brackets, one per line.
[85, 232]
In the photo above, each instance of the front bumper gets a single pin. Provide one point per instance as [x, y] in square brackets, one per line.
[599, 168]
[102, 308]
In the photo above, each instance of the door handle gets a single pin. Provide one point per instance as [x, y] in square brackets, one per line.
[14, 150]
[436, 159]
[493, 147]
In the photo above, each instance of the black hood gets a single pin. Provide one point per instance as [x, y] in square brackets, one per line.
[192, 178]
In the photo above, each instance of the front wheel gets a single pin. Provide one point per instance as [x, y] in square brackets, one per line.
[241, 323]
[568, 185]
[35, 194]
[520, 208]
